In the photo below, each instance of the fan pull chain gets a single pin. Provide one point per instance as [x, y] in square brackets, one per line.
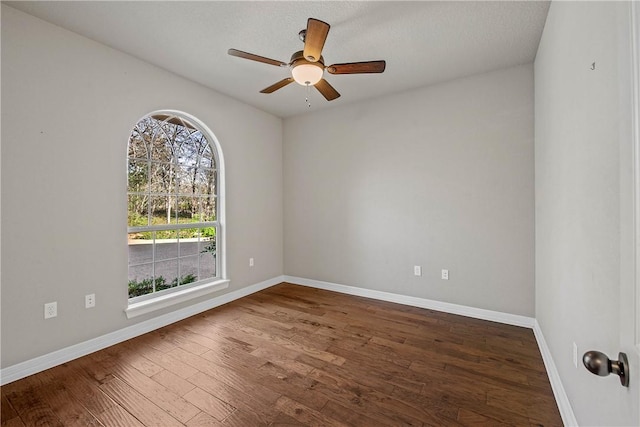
[308, 90]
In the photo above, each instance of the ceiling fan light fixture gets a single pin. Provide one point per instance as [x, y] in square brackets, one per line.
[307, 65]
[308, 73]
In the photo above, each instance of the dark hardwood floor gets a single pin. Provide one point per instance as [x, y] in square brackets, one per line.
[291, 356]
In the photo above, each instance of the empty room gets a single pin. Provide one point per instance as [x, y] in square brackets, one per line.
[320, 213]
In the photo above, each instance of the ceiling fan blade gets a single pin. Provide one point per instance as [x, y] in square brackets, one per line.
[251, 56]
[357, 67]
[274, 87]
[327, 90]
[314, 39]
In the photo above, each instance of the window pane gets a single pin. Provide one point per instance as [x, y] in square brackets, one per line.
[161, 149]
[189, 242]
[208, 249]
[187, 209]
[140, 250]
[166, 244]
[166, 274]
[186, 179]
[182, 138]
[167, 134]
[207, 181]
[208, 237]
[192, 150]
[200, 205]
[137, 146]
[189, 233]
[188, 269]
[207, 266]
[207, 162]
[140, 280]
[163, 210]
[137, 212]
[163, 178]
[138, 176]
[206, 159]
[208, 208]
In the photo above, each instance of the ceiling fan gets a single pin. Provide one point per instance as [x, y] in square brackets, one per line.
[307, 65]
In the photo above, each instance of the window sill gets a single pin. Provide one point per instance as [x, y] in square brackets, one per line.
[147, 306]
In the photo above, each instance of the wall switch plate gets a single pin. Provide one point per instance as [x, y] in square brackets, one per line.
[417, 270]
[575, 355]
[445, 274]
[90, 301]
[50, 310]
[250, 262]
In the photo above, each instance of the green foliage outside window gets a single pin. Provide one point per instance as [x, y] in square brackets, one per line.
[145, 286]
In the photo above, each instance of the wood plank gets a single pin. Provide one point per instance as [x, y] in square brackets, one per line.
[209, 403]
[137, 404]
[357, 397]
[181, 409]
[240, 418]
[117, 416]
[13, 422]
[305, 415]
[468, 417]
[203, 420]
[173, 382]
[284, 420]
[350, 417]
[292, 384]
[438, 410]
[6, 410]
[66, 407]
[520, 402]
[168, 361]
[174, 336]
[259, 404]
[243, 380]
[345, 377]
[32, 407]
[94, 368]
[291, 345]
[82, 388]
[144, 365]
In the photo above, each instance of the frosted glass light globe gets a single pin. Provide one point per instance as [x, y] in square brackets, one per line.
[307, 74]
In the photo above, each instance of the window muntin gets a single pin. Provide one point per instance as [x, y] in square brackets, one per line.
[173, 201]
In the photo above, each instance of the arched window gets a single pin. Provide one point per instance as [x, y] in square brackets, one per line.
[175, 209]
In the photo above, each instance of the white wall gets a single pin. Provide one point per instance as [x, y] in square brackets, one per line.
[69, 105]
[440, 177]
[583, 201]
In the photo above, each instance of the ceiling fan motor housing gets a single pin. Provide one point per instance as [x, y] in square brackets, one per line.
[312, 69]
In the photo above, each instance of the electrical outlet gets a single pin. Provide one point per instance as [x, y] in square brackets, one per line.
[250, 262]
[417, 270]
[50, 310]
[575, 355]
[445, 274]
[89, 300]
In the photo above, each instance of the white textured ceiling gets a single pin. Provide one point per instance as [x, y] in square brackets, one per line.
[423, 42]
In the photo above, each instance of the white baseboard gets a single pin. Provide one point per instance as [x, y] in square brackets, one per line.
[564, 406]
[41, 363]
[477, 313]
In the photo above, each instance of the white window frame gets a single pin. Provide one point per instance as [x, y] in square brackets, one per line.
[158, 300]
